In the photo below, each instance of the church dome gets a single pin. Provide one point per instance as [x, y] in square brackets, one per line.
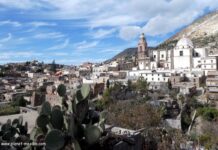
[184, 43]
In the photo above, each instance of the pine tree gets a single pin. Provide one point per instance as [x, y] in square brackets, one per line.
[53, 66]
[108, 84]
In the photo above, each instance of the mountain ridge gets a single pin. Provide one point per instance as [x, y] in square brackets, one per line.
[203, 32]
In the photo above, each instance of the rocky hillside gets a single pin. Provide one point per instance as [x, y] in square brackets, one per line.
[203, 32]
[126, 53]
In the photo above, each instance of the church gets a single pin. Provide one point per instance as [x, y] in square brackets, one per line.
[161, 65]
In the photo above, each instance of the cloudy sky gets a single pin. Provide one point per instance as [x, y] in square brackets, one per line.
[74, 31]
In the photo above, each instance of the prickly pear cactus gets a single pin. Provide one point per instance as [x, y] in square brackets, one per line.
[14, 131]
[46, 108]
[92, 134]
[71, 125]
[54, 140]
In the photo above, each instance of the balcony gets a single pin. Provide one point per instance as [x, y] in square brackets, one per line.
[213, 90]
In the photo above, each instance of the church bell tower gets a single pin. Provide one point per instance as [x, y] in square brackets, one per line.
[143, 54]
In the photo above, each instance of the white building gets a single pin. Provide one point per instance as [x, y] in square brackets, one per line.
[158, 65]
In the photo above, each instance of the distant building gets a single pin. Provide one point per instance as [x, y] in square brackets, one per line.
[212, 85]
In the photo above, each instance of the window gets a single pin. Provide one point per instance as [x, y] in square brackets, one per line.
[152, 74]
[196, 54]
[194, 80]
[162, 56]
[154, 56]
[152, 79]
[158, 79]
[204, 66]
[164, 79]
[180, 53]
[140, 48]
[211, 66]
[211, 61]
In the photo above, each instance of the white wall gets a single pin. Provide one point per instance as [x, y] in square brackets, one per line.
[149, 76]
[163, 55]
[182, 61]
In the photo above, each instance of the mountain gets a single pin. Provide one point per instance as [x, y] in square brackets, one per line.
[125, 53]
[203, 32]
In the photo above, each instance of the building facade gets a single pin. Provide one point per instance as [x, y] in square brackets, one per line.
[159, 65]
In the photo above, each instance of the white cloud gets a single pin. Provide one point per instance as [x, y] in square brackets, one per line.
[157, 18]
[60, 46]
[37, 24]
[49, 35]
[102, 33]
[6, 39]
[86, 45]
[161, 25]
[18, 54]
[130, 16]
[21, 4]
[9, 22]
[129, 32]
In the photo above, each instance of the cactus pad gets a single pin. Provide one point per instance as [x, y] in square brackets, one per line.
[42, 121]
[92, 134]
[46, 108]
[57, 119]
[54, 140]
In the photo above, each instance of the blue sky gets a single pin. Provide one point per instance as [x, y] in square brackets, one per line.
[75, 31]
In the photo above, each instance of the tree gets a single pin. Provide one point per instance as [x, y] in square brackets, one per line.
[181, 100]
[53, 66]
[133, 115]
[169, 85]
[108, 84]
[107, 96]
[129, 84]
[20, 101]
[61, 90]
[142, 86]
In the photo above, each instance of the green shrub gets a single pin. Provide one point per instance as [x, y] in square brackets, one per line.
[133, 114]
[100, 105]
[208, 113]
[9, 110]
[20, 101]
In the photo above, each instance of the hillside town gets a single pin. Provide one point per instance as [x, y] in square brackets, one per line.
[182, 81]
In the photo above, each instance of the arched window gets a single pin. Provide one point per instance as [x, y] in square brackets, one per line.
[180, 53]
[140, 48]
